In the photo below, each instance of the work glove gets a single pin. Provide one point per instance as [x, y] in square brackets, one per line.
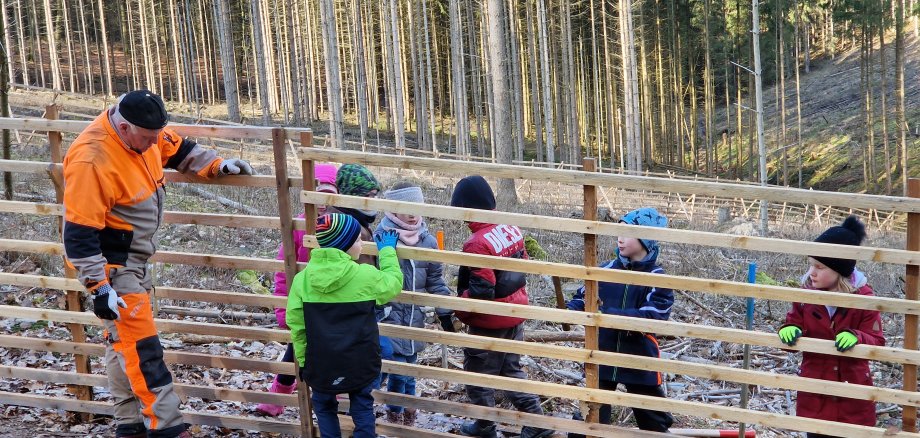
[790, 334]
[447, 323]
[106, 303]
[385, 239]
[235, 166]
[845, 341]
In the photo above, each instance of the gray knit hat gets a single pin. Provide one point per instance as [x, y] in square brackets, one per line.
[407, 194]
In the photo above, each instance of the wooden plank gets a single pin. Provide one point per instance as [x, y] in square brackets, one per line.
[308, 182]
[184, 390]
[726, 190]
[259, 181]
[220, 220]
[535, 349]
[74, 299]
[101, 408]
[37, 208]
[592, 378]
[170, 356]
[667, 328]
[33, 246]
[719, 287]
[767, 419]
[185, 130]
[752, 243]
[508, 416]
[912, 292]
[706, 371]
[24, 166]
[284, 204]
[216, 261]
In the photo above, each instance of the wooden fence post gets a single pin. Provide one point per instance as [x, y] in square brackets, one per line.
[591, 332]
[911, 288]
[74, 300]
[279, 149]
[309, 183]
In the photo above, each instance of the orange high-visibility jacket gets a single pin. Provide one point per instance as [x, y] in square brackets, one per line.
[113, 196]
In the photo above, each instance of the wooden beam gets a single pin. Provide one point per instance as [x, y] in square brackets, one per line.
[720, 287]
[38, 208]
[912, 292]
[752, 243]
[631, 182]
[592, 371]
[508, 416]
[216, 261]
[183, 129]
[666, 328]
[767, 419]
[706, 371]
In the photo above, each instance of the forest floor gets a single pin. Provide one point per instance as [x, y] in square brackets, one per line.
[830, 105]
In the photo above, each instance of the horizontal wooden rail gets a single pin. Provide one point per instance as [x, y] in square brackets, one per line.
[693, 409]
[433, 405]
[185, 130]
[581, 226]
[170, 356]
[665, 328]
[677, 282]
[706, 371]
[535, 349]
[184, 390]
[727, 190]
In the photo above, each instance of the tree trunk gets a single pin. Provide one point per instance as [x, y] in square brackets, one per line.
[71, 67]
[397, 93]
[899, 80]
[21, 31]
[433, 135]
[761, 147]
[458, 74]
[498, 69]
[56, 81]
[333, 77]
[546, 80]
[256, 11]
[227, 59]
[174, 39]
[884, 95]
[517, 91]
[633, 123]
[5, 106]
[535, 102]
[361, 73]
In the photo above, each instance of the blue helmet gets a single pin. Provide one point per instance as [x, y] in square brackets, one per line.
[647, 217]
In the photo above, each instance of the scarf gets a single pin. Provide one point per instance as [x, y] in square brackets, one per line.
[408, 234]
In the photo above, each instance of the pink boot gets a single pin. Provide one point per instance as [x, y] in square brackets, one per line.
[277, 388]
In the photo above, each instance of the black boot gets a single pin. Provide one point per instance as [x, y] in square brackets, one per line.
[477, 428]
[533, 432]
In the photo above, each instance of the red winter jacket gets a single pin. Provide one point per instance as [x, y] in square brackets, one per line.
[815, 322]
[493, 284]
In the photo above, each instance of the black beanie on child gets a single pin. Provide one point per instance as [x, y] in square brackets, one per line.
[473, 192]
[850, 232]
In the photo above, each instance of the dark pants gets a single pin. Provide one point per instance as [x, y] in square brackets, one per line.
[647, 420]
[401, 384]
[287, 379]
[361, 410]
[498, 364]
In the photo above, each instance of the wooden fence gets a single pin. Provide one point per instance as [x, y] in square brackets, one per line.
[906, 355]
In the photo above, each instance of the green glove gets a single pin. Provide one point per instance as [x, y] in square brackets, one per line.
[790, 334]
[846, 341]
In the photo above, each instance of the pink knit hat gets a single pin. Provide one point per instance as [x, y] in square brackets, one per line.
[325, 177]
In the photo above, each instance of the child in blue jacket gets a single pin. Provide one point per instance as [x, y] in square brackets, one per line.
[637, 302]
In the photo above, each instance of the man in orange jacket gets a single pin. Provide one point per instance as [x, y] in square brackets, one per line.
[113, 206]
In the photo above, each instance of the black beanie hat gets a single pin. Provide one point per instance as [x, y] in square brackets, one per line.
[473, 192]
[850, 232]
[144, 109]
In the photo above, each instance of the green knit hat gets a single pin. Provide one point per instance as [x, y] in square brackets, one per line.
[355, 180]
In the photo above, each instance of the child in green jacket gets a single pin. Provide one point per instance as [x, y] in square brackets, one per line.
[333, 326]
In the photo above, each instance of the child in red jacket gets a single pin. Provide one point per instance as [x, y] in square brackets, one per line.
[846, 327]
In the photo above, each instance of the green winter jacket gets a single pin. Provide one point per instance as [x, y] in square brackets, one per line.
[330, 312]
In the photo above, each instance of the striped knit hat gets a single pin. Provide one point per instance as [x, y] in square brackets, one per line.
[355, 180]
[335, 230]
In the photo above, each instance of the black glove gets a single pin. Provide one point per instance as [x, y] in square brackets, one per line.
[447, 323]
[106, 303]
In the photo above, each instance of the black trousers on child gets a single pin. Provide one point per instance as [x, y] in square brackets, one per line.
[285, 379]
[498, 364]
[646, 419]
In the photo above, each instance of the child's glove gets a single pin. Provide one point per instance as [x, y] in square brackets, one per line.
[790, 334]
[846, 341]
[386, 238]
[106, 303]
[447, 323]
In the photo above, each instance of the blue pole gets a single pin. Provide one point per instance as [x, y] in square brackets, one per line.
[749, 323]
